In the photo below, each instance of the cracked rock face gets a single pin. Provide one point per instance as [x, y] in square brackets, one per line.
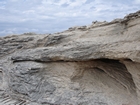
[88, 65]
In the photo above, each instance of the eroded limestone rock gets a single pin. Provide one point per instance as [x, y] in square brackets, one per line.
[87, 65]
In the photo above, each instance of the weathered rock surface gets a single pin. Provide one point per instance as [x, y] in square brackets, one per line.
[89, 65]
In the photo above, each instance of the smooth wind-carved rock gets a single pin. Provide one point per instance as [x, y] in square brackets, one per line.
[88, 65]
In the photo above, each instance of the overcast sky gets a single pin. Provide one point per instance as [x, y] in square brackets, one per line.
[49, 16]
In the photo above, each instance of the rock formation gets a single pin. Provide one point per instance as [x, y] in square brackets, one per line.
[88, 65]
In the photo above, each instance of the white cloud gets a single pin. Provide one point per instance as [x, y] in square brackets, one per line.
[137, 1]
[56, 15]
[13, 0]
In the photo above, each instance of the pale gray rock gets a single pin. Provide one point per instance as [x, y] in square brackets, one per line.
[86, 65]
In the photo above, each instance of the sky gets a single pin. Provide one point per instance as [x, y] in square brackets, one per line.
[50, 16]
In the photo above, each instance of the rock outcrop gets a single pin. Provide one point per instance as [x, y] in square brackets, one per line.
[88, 65]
